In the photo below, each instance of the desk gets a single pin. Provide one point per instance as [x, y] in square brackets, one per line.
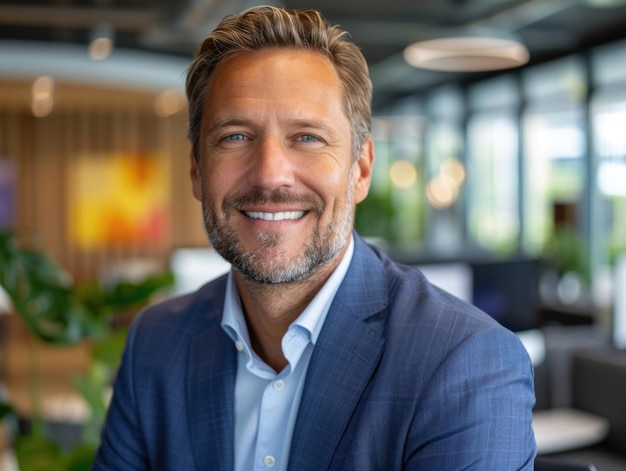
[559, 430]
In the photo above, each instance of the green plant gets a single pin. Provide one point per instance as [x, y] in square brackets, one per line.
[566, 252]
[59, 312]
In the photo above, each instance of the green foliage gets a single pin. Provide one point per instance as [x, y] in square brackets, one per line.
[92, 387]
[106, 302]
[81, 458]
[41, 454]
[57, 311]
[566, 252]
[374, 216]
[43, 296]
[5, 409]
[108, 351]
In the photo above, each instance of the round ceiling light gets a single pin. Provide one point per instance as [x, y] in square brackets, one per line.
[466, 54]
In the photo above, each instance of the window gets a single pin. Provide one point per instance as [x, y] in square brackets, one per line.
[493, 165]
[493, 215]
[554, 147]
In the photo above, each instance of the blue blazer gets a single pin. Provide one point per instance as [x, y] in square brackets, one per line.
[403, 377]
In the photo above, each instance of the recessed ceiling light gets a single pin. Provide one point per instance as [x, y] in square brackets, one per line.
[102, 42]
[466, 54]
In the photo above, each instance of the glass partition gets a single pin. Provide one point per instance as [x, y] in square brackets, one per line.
[393, 211]
[609, 116]
[493, 214]
[554, 166]
[555, 148]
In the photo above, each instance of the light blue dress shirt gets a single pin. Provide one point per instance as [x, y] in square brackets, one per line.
[266, 403]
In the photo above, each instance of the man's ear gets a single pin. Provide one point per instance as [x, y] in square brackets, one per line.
[363, 171]
[196, 176]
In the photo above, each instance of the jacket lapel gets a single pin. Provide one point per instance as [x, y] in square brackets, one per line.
[346, 355]
[210, 388]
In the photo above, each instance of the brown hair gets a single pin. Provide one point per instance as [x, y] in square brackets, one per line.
[263, 27]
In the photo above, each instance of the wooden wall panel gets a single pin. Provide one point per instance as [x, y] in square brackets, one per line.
[82, 124]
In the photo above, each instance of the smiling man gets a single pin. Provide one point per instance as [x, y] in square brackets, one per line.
[316, 352]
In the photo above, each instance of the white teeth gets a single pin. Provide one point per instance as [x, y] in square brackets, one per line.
[275, 216]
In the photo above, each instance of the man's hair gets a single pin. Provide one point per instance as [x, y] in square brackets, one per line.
[270, 27]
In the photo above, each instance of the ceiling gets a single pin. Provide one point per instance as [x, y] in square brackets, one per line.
[549, 28]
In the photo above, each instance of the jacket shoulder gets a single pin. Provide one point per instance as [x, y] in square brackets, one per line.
[188, 312]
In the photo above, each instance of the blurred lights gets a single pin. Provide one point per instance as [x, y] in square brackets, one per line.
[101, 45]
[168, 103]
[42, 96]
[441, 192]
[443, 189]
[569, 288]
[454, 169]
[100, 48]
[403, 174]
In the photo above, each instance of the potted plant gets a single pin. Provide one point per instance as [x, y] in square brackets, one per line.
[57, 311]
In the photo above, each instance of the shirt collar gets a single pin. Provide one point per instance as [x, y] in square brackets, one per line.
[311, 319]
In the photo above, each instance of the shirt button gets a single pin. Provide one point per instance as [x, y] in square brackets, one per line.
[269, 461]
[239, 345]
[278, 385]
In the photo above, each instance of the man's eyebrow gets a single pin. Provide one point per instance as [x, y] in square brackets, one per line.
[297, 123]
[306, 123]
[225, 122]
[312, 124]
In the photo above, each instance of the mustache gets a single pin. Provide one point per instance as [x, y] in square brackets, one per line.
[259, 196]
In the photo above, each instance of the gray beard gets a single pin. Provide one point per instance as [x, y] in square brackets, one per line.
[257, 265]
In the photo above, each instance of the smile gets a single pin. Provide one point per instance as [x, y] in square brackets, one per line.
[279, 216]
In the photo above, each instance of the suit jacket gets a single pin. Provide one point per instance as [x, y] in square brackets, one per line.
[403, 376]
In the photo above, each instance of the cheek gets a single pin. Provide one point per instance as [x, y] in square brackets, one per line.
[335, 190]
[218, 181]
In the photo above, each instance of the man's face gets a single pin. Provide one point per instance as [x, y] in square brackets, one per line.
[275, 172]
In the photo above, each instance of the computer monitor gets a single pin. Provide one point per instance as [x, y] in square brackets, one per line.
[193, 267]
[507, 291]
[454, 277]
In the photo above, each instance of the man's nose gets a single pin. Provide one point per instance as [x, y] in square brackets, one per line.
[272, 165]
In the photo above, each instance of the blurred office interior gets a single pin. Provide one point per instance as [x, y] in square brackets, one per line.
[502, 177]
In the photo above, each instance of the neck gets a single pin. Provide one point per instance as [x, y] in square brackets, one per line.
[270, 309]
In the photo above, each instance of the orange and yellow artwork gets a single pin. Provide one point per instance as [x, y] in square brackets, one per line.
[118, 199]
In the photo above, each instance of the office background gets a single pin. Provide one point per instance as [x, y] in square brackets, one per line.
[527, 162]
[507, 186]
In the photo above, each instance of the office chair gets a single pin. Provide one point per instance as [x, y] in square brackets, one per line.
[556, 464]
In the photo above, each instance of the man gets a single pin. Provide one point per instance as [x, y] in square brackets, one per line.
[316, 352]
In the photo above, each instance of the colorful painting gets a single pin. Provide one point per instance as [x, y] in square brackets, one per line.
[118, 200]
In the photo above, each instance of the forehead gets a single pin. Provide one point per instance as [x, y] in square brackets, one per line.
[274, 73]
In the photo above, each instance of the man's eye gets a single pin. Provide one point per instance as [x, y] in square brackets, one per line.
[308, 138]
[235, 137]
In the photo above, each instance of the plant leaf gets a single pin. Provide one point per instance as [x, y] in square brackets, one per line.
[5, 408]
[81, 458]
[39, 454]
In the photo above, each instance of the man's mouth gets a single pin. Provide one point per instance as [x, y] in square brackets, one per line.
[278, 216]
